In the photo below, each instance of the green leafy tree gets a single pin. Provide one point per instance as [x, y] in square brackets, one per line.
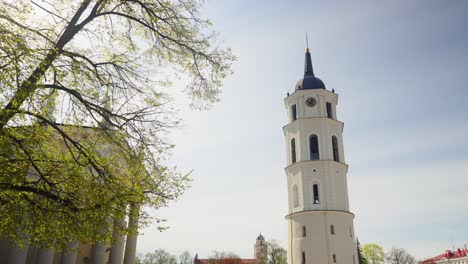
[185, 258]
[139, 258]
[84, 93]
[361, 258]
[159, 256]
[373, 253]
[399, 256]
[276, 254]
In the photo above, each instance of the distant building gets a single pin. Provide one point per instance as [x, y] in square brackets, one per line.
[261, 250]
[459, 256]
[260, 253]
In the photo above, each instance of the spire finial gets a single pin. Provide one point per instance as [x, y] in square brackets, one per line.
[308, 71]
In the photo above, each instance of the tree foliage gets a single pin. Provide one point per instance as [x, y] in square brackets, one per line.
[361, 258]
[276, 254]
[185, 258]
[399, 256]
[84, 110]
[159, 256]
[373, 253]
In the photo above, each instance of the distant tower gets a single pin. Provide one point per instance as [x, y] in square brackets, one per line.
[261, 253]
[319, 221]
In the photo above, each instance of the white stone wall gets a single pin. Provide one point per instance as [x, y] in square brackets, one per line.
[331, 179]
[319, 245]
[324, 128]
[319, 110]
[463, 260]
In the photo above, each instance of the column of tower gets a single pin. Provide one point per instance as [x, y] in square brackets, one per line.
[319, 221]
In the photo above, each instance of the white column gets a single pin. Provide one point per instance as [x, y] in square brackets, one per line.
[130, 247]
[116, 253]
[99, 252]
[45, 255]
[69, 256]
[17, 255]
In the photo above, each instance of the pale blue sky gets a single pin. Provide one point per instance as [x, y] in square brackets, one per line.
[401, 70]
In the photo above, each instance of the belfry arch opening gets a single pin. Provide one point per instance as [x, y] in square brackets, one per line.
[329, 110]
[314, 147]
[293, 150]
[336, 154]
[293, 112]
[315, 194]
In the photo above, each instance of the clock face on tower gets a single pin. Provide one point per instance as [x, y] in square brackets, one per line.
[311, 101]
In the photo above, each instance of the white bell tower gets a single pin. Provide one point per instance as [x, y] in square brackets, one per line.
[320, 224]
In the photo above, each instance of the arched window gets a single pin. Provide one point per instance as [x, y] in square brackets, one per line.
[295, 196]
[293, 150]
[293, 112]
[336, 155]
[334, 258]
[303, 257]
[314, 148]
[332, 229]
[329, 110]
[304, 231]
[315, 191]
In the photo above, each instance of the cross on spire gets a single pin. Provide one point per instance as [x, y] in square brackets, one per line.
[308, 71]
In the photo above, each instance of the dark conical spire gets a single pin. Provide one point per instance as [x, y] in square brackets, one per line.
[309, 81]
[308, 71]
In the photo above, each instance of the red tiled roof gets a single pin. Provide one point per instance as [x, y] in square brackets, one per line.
[459, 253]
